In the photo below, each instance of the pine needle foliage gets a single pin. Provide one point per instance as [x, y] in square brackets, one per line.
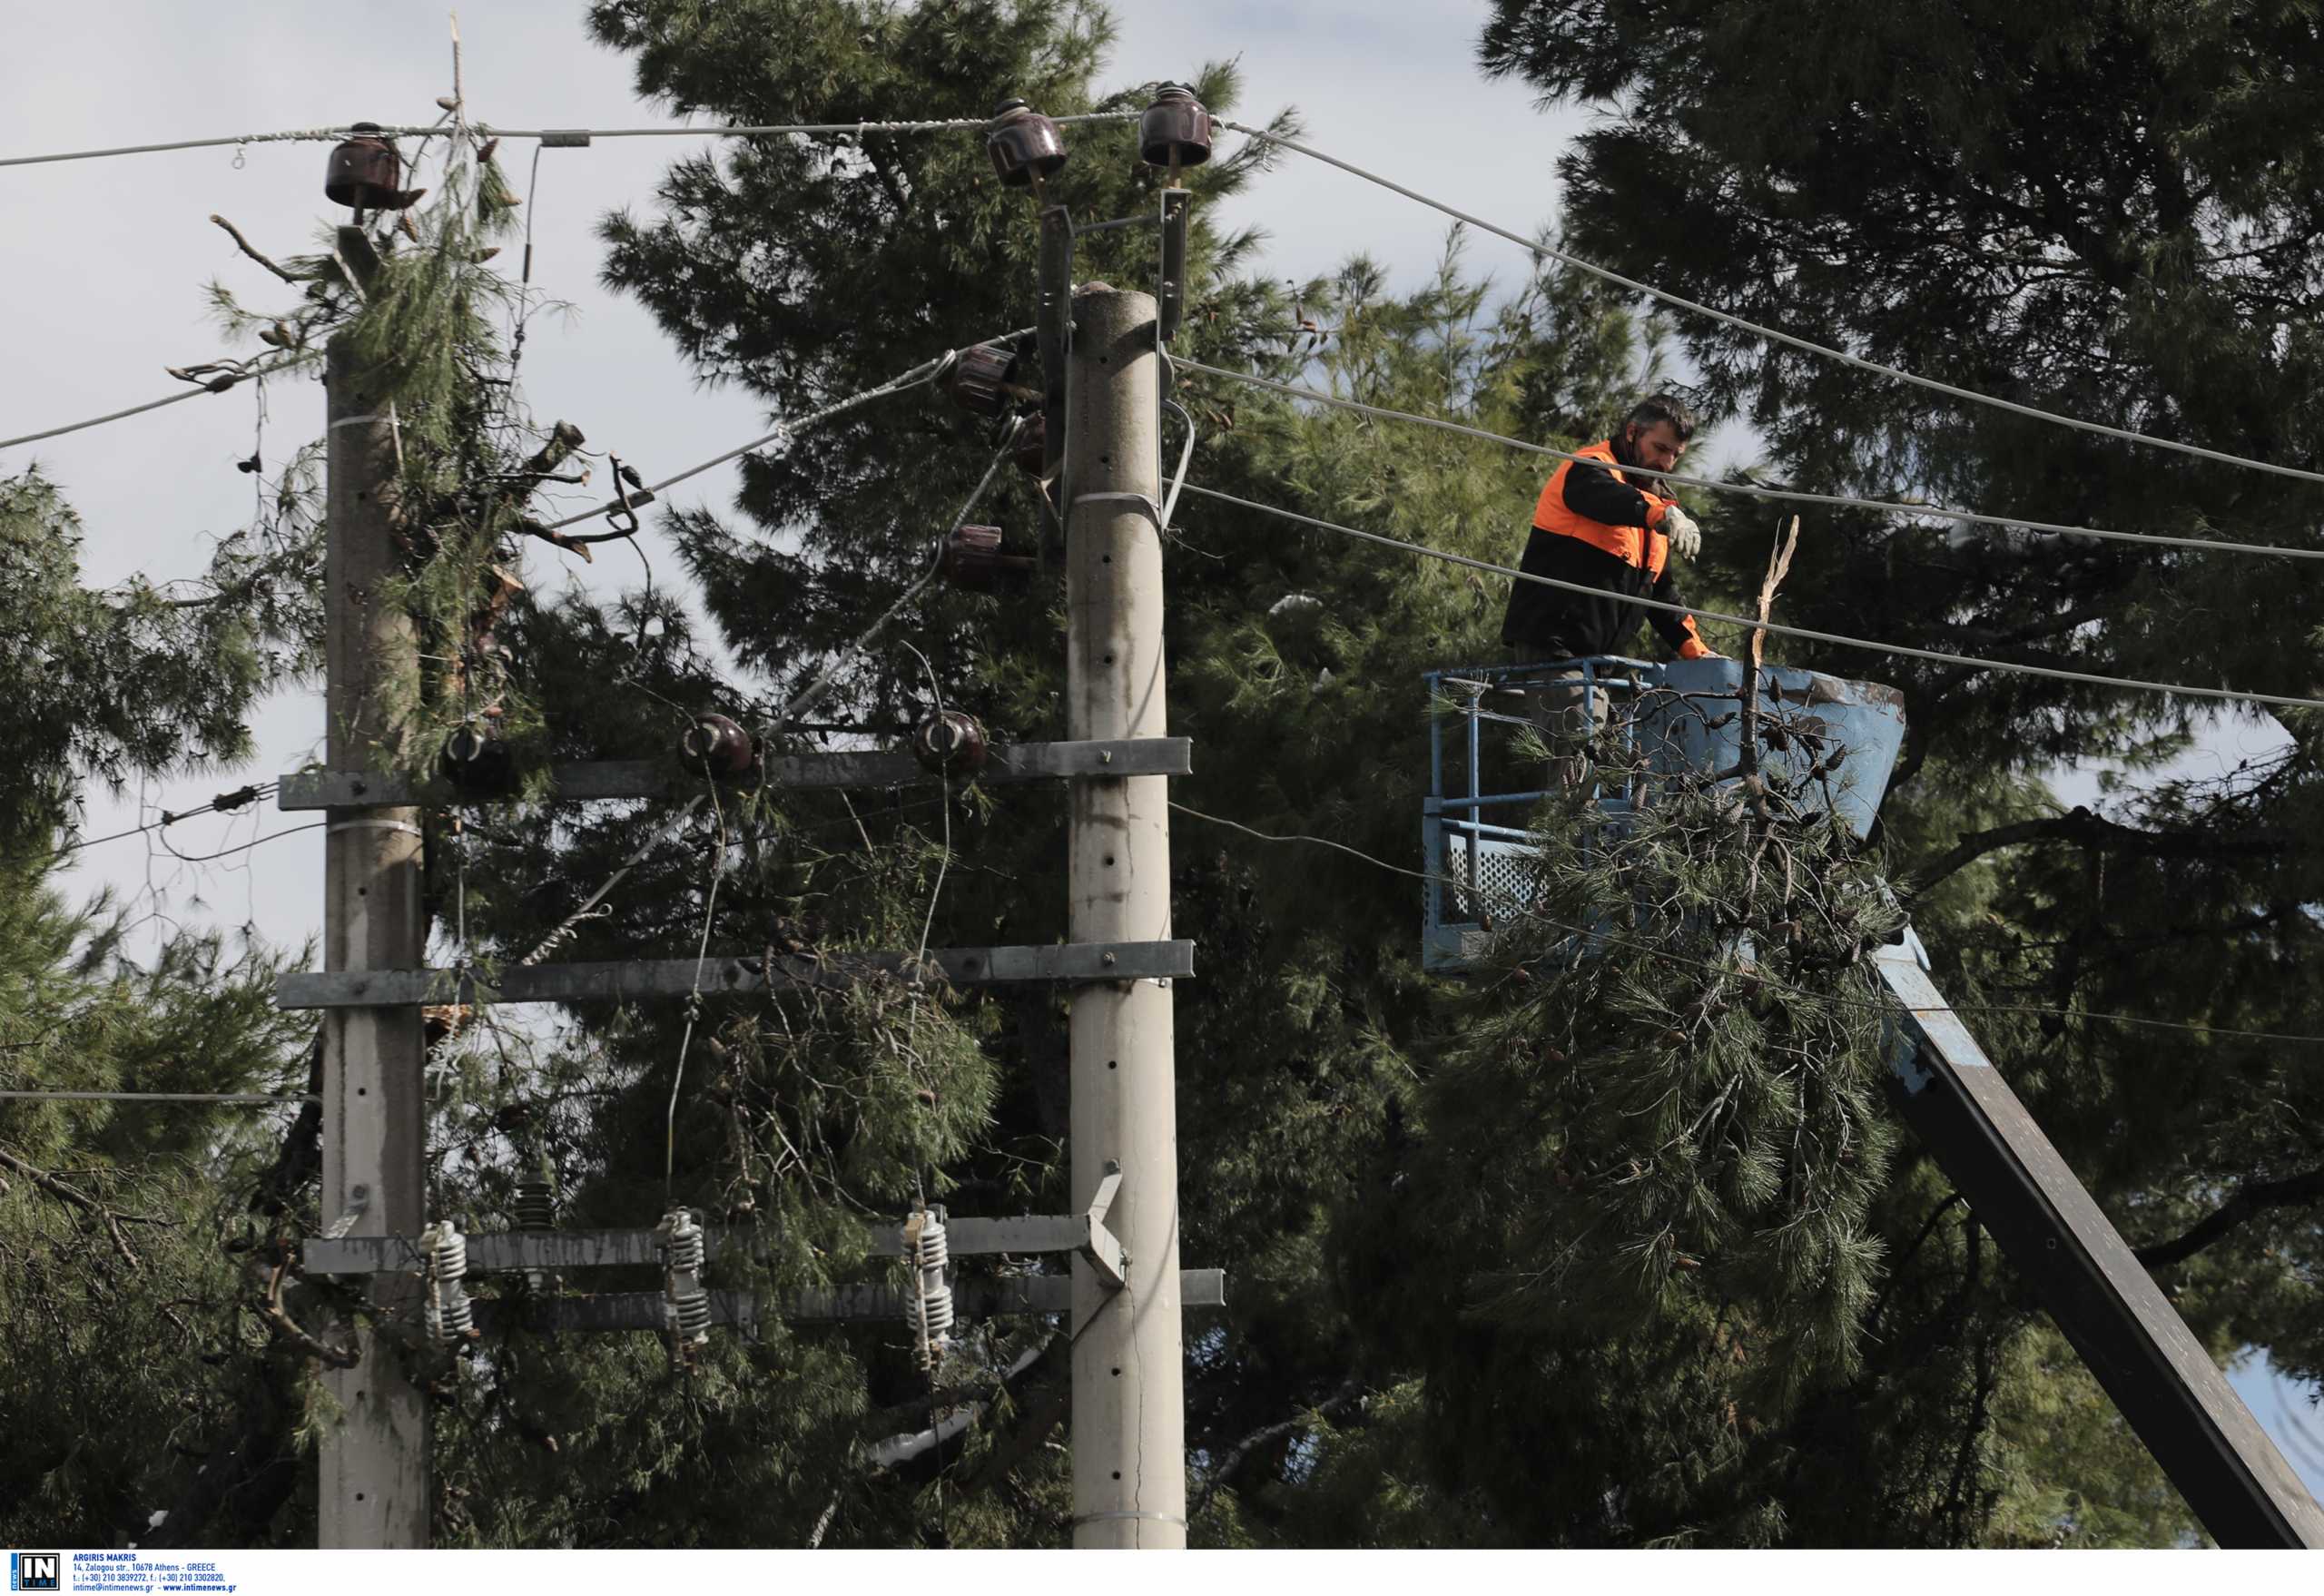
[1686, 1016]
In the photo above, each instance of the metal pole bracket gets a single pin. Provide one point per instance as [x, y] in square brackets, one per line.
[1099, 1245]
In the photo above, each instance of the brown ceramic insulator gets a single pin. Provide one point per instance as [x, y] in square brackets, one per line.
[1173, 130]
[972, 559]
[365, 172]
[718, 744]
[978, 380]
[952, 743]
[1024, 144]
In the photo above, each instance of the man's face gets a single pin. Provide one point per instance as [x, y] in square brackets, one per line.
[1655, 447]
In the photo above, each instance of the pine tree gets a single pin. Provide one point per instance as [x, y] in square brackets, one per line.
[2101, 211]
[130, 1308]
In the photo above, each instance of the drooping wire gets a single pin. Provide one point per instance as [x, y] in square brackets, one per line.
[806, 697]
[238, 847]
[566, 926]
[1516, 905]
[1753, 490]
[525, 282]
[1906, 650]
[1678, 301]
[925, 372]
[936, 693]
[694, 999]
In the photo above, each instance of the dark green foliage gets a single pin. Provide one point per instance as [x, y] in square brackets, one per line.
[126, 1330]
[2108, 210]
[140, 677]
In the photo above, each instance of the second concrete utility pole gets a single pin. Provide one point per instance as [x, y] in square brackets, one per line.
[1129, 1478]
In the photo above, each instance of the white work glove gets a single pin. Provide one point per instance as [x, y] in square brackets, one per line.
[1686, 538]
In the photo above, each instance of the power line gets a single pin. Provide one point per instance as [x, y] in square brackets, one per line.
[224, 802]
[925, 372]
[1907, 650]
[65, 1097]
[1544, 251]
[556, 137]
[175, 399]
[1619, 940]
[1789, 495]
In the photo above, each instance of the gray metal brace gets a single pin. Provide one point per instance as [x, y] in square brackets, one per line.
[660, 778]
[729, 976]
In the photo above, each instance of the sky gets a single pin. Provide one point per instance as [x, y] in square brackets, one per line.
[107, 260]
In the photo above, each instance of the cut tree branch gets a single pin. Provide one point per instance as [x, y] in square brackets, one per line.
[284, 272]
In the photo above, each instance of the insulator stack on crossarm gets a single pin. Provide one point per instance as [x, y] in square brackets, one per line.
[927, 1310]
[535, 1204]
[685, 1305]
[451, 1322]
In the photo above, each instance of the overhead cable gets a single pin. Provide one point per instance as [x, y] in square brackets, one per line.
[65, 1097]
[224, 802]
[1969, 395]
[925, 372]
[175, 399]
[555, 137]
[2271, 700]
[1753, 490]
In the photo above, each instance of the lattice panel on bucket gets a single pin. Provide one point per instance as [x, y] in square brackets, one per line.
[1504, 880]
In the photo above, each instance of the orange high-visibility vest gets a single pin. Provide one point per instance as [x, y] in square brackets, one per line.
[1633, 545]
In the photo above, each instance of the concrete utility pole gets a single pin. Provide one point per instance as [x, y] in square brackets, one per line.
[374, 1465]
[1129, 1475]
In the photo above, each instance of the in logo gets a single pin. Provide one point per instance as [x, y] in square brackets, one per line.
[34, 1571]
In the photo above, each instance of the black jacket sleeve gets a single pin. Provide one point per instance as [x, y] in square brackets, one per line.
[1590, 491]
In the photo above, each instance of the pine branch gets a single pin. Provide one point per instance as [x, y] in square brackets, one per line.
[1349, 1390]
[2250, 1201]
[78, 1198]
[2085, 829]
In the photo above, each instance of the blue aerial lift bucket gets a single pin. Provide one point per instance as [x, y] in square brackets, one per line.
[1837, 740]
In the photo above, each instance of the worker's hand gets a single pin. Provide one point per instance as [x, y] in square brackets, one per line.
[1686, 538]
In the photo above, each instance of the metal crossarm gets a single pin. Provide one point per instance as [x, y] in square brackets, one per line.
[984, 1299]
[676, 978]
[493, 1252]
[662, 778]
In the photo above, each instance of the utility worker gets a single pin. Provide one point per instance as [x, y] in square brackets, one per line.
[1593, 527]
